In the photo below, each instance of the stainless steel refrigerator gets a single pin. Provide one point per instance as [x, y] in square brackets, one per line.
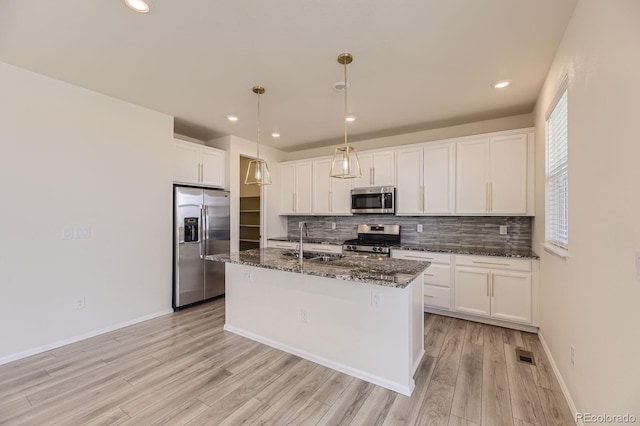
[201, 228]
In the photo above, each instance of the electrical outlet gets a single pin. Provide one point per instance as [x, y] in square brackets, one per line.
[67, 232]
[304, 316]
[79, 302]
[419, 227]
[503, 229]
[248, 276]
[333, 225]
[573, 355]
[375, 299]
[82, 233]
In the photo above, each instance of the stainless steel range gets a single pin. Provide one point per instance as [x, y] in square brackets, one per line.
[378, 239]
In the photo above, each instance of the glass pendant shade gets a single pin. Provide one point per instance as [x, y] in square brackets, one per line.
[257, 173]
[345, 164]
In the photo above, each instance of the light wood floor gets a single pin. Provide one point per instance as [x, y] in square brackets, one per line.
[183, 369]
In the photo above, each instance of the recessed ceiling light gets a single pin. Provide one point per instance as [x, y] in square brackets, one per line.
[275, 135]
[232, 117]
[138, 5]
[501, 84]
[351, 118]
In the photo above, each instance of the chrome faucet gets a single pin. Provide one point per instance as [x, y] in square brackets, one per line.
[303, 226]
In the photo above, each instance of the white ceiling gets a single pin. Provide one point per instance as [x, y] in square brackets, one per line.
[418, 64]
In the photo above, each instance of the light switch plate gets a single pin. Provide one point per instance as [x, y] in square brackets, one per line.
[82, 233]
[67, 232]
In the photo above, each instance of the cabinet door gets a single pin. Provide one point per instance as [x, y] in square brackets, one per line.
[366, 167]
[212, 163]
[384, 168]
[508, 171]
[287, 188]
[322, 187]
[511, 296]
[472, 291]
[409, 189]
[439, 176]
[472, 176]
[303, 192]
[186, 167]
[341, 196]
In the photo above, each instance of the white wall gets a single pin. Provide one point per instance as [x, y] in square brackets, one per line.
[72, 157]
[591, 299]
[469, 129]
[272, 224]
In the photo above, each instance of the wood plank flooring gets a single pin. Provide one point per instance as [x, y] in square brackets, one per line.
[183, 369]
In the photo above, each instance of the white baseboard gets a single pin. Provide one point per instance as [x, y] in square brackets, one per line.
[396, 387]
[563, 386]
[59, 343]
[475, 318]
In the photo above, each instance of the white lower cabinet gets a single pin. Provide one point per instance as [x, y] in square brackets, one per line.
[437, 277]
[500, 288]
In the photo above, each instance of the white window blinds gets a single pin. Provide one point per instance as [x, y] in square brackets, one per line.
[557, 190]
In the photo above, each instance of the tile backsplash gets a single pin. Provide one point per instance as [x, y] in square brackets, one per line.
[445, 231]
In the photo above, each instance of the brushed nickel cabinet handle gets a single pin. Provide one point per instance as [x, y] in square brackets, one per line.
[486, 196]
[429, 275]
[428, 295]
[493, 287]
[487, 285]
[479, 262]
[418, 257]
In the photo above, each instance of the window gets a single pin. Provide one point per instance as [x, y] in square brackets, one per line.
[556, 188]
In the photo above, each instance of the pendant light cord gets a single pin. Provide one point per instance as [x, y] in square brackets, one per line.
[345, 102]
[258, 126]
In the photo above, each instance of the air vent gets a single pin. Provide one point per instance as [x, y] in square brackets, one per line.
[525, 356]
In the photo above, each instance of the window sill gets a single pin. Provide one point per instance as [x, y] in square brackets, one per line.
[555, 250]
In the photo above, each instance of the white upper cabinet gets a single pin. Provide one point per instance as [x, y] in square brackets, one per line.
[378, 169]
[425, 178]
[508, 172]
[472, 177]
[296, 188]
[198, 164]
[331, 196]
[494, 176]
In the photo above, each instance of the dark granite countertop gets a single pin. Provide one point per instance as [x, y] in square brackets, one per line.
[309, 240]
[436, 248]
[475, 251]
[398, 273]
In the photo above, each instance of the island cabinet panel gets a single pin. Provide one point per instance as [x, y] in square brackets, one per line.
[369, 331]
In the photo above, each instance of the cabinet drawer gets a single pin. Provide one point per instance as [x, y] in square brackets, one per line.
[282, 244]
[437, 296]
[438, 275]
[443, 258]
[494, 262]
[323, 248]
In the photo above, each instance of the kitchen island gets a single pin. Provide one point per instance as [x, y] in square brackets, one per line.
[359, 315]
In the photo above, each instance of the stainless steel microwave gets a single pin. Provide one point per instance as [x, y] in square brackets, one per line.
[373, 200]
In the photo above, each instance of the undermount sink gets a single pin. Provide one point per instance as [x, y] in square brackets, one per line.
[313, 256]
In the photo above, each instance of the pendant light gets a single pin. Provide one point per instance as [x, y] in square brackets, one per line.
[345, 164]
[258, 171]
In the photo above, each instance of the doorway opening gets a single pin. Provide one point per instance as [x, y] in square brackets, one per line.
[250, 227]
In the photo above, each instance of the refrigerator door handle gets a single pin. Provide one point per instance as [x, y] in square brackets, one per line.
[202, 231]
[206, 227]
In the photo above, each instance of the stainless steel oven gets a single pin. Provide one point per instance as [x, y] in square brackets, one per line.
[379, 199]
